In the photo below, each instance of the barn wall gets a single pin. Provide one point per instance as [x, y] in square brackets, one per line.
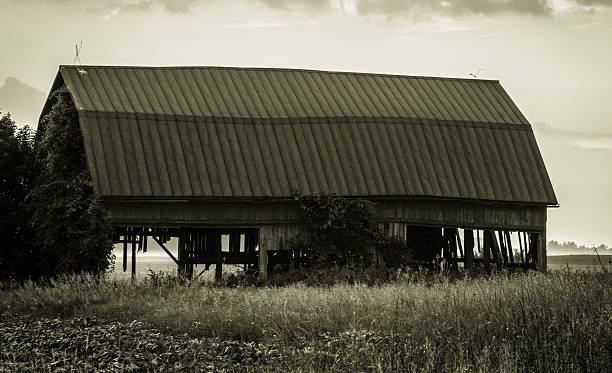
[464, 215]
[279, 236]
[255, 214]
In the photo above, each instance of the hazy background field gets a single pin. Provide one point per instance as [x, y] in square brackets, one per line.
[156, 260]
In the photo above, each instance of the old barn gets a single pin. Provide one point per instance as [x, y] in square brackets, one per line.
[212, 155]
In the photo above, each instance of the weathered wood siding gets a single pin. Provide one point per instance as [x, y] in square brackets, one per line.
[256, 214]
[391, 230]
[279, 236]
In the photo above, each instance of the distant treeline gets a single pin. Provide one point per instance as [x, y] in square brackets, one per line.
[556, 247]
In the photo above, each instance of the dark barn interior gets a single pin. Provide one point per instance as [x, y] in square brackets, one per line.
[197, 153]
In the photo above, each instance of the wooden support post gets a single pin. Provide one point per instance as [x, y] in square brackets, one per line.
[495, 249]
[450, 242]
[502, 247]
[468, 248]
[181, 254]
[234, 243]
[522, 247]
[541, 262]
[125, 252]
[190, 247]
[160, 243]
[218, 257]
[530, 245]
[262, 264]
[509, 246]
[486, 248]
[133, 237]
[458, 242]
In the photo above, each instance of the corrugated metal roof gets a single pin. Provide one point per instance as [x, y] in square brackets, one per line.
[188, 132]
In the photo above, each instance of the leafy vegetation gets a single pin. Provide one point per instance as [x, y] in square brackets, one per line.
[54, 224]
[17, 176]
[342, 233]
[531, 322]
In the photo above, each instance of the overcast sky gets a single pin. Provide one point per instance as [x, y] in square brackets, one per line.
[553, 57]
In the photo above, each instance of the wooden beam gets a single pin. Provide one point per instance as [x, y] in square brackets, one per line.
[262, 264]
[541, 260]
[125, 241]
[133, 257]
[509, 246]
[181, 254]
[458, 241]
[486, 247]
[219, 257]
[468, 248]
[450, 242]
[158, 241]
[502, 247]
[522, 246]
[234, 243]
[495, 249]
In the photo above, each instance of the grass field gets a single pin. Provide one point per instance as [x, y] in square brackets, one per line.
[557, 321]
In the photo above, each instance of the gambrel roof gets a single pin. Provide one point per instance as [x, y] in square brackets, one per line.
[219, 132]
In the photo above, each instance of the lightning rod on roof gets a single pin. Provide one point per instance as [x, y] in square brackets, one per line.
[475, 75]
[77, 58]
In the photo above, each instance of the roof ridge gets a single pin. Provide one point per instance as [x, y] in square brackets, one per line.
[287, 69]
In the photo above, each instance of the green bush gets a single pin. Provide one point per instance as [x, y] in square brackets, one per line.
[341, 232]
[343, 244]
[50, 220]
[70, 225]
[17, 172]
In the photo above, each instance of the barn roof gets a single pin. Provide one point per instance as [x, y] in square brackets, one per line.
[201, 132]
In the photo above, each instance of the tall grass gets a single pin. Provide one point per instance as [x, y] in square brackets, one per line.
[542, 322]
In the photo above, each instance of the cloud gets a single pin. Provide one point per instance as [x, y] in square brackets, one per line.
[304, 4]
[21, 100]
[602, 144]
[110, 15]
[175, 6]
[594, 2]
[394, 8]
[578, 139]
[545, 128]
[386, 8]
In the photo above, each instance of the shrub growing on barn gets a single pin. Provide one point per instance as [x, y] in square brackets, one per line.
[342, 232]
[69, 223]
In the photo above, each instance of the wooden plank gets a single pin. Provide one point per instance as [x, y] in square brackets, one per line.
[520, 239]
[181, 254]
[433, 213]
[541, 262]
[160, 243]
[234, 243]
[495, 249]
[133, 258]
[486, 247]
[449, 247]
[468, 248]
[458, 243]
[219, 261]
[502, 247]
[509, 247]
[262, 264]
[125, 241]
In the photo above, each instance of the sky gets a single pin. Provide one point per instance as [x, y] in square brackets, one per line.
[554, 57]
